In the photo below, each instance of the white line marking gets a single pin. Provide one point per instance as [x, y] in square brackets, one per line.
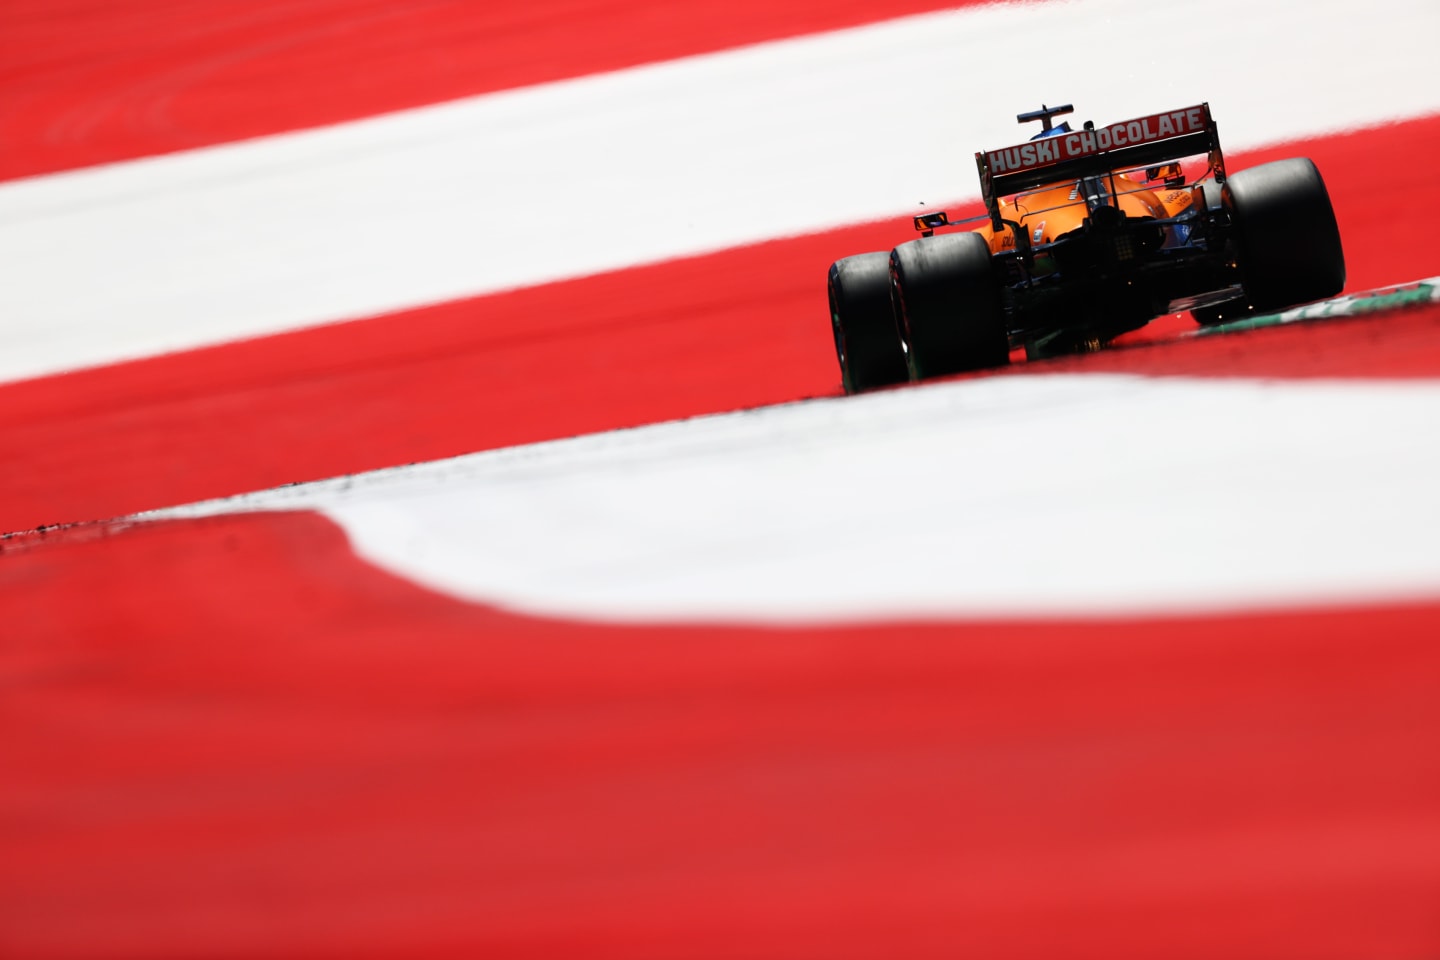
[1062, 495]
[608, 171]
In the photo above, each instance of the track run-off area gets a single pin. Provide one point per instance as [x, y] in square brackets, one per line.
[594, 620]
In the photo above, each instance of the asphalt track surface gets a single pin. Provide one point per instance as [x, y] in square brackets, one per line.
[232, 736]
[428, 383]
[137, 80]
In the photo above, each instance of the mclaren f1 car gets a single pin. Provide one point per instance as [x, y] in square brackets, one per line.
[1087, 234]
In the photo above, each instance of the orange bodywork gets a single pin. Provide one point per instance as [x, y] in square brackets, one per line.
[1052, 211]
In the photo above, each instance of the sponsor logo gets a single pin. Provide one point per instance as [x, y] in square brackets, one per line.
[1087, 143]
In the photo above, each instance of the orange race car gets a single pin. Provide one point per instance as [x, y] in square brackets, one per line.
[1090, 233]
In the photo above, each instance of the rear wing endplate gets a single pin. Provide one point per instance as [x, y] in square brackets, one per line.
[1131, 144]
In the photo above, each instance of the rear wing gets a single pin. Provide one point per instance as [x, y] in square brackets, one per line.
[1093, 151]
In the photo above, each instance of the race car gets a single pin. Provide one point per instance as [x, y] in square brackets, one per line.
[1088, 234]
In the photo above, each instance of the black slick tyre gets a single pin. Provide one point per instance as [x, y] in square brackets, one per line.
[948, 305]
[867, 343]
[1286, 238]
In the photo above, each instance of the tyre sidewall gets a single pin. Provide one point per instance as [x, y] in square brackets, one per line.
[948, 305]
[862, 319]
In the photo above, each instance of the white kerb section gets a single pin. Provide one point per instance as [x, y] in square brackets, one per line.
[662, 161]
[1064, 495]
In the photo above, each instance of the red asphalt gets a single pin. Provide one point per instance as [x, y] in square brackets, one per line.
[230, 737]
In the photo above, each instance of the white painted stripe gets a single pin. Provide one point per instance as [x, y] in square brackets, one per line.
[679, 158]
[1006, 496]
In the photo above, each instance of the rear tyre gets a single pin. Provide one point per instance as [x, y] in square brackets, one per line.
[1286, 237]
[867, 343]
[948, 305]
